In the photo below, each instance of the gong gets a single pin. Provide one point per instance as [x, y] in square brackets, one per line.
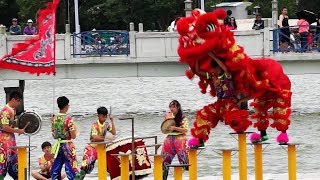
[30, 122]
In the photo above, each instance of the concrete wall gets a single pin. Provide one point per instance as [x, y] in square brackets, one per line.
[154, 54]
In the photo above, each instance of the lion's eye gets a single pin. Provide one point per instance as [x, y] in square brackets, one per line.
[210, 27]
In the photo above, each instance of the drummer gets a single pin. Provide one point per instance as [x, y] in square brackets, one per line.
[175, 142]
[98, 133]
[64, 130]
[8, 156]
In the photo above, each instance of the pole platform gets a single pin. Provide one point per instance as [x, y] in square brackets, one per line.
[102, 164]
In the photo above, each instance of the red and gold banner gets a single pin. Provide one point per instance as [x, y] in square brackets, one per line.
[36, 55]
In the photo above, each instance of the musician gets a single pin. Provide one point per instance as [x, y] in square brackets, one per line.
[8, 156]
[45, 163]
[175, 142]
[64, 130]
[98, 133]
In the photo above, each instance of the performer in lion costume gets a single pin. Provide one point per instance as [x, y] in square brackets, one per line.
[203, 37]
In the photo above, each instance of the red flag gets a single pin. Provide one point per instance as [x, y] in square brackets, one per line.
[36, 55]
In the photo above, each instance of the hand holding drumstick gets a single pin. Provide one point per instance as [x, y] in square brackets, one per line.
[22, 131]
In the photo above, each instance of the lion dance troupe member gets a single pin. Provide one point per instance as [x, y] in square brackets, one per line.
[99, 130]
[260, 79]
[225, 108]
[63, 129]
[175, 142]
[8, 156]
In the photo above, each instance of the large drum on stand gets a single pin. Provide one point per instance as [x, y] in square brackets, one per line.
[142, 162]
[31, 123]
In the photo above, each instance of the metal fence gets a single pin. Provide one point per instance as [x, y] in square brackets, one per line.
[295, 41]
[100, 42]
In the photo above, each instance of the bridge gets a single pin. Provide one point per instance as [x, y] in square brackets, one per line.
[149, 54]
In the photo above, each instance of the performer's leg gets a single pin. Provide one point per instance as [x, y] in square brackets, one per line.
[168, 153]
[180, 146]
[57, 165]
[88, 161]
[3, 158]
[13, 163]
[261, 106]
[71, 164]
[206, 119]
[281, 114]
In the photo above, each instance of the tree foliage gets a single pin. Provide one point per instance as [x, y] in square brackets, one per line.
[117, 14]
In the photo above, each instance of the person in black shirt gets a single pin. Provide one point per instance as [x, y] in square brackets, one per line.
[258, 23]
[227, 20]
[284, 34]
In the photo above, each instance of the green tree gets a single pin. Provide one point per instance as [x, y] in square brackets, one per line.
[9, 10]
[310, 5]
[266, 7]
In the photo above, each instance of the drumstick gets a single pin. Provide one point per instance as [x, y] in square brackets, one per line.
[110, 110]
[26, 126]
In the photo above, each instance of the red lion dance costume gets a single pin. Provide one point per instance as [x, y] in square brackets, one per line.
[261, 79]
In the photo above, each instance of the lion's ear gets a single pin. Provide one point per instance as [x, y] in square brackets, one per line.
[183, 25]
[220, 13]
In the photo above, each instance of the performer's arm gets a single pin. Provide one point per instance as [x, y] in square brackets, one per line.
[9, 129]
[199, 71]
[183, 128]
[94, 135]
[219, 62]
[97, 138]
[113, 130]
[42, 166]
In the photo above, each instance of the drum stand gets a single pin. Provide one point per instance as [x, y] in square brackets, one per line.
[132, 147]
[29, 157]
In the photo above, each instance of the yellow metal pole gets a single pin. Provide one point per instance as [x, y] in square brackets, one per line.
[158, 167]
[242, 156]
[22, 162]
[124, 167]
[193, 164]
[258, 161]
[226, 164]
[102, 162]
[292, 162]
[177, 173]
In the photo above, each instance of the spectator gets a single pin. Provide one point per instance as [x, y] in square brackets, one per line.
[258, 23]
[15, 29]
[303, 28]
[232, 24]
[173, 25]
[284, 35]
[29, 29]
[228, 18]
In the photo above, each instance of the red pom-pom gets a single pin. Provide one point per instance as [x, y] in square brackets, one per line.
[283, 138]
[255, 137]
[189, 73]
[193, 142]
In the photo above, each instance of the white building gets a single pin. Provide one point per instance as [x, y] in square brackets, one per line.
[238, 8]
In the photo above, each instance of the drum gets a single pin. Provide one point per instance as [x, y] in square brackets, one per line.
[166, 124]
[142, 162]
[30, 122]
